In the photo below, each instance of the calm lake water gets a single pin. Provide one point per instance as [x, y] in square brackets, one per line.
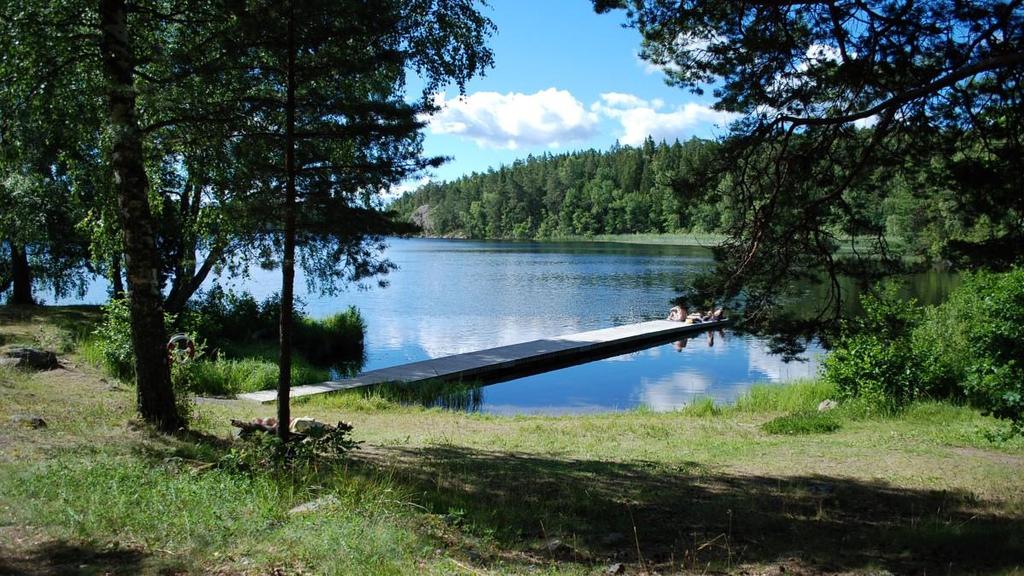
[452, 296]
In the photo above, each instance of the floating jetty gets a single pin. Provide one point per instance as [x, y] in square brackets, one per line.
[506, 362]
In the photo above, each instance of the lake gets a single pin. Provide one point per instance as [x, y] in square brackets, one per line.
[452, 296]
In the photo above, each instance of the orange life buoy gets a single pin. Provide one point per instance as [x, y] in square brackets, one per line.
[174, 348]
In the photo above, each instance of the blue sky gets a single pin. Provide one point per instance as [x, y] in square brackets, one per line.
[565, 78]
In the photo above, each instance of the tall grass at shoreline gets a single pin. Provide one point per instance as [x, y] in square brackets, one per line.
[235, 343]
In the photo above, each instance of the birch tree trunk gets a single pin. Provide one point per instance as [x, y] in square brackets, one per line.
[154, 392]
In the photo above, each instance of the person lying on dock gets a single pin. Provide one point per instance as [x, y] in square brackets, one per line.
[677, 314]
[713, 316]
[680, 314]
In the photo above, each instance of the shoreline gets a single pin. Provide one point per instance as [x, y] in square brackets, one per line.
[695, 240]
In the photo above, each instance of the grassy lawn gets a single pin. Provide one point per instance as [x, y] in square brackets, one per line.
[938, 489]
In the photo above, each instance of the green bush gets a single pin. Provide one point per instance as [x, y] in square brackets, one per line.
[804, 422]
[319, 446]
[970, 347]
[114, 340]
[222, 321]
[941, 345]
[223, 318]
[335, 338]
[976, 339]
[874, 359]
[228, 322]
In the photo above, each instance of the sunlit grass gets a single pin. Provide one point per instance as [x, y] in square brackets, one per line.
[227, 376]
[791, 397]
[701, 489]
[803, 422]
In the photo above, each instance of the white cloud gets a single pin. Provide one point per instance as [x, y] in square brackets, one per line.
[652, 68]
[618, 99]
[686, 48]
[640, 118]
[546, 118]
[396, 192]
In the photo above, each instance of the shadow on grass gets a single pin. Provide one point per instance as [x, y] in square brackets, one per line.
[59, 558]
[686, 516]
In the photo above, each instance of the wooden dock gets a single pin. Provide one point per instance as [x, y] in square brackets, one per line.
[495, 364]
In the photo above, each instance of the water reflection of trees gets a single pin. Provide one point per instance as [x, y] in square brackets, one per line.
[461, 396]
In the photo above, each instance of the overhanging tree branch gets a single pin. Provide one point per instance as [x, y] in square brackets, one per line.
[995, 63]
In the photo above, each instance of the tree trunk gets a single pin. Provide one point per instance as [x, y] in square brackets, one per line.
[115, 277]
[21, 277]
[284, 364]
[184, 254]
[190, 280]
[154, 392]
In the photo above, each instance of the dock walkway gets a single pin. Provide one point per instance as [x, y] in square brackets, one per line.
[534, 356]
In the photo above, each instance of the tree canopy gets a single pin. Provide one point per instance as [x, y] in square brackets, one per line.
[328, 129]
[653, 188]
[843, 103]
[201, 134]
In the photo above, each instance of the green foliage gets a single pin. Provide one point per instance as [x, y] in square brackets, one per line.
[702, 408]
[804, 422]
[791, 397]
[114, 340]
[969, 347]
[937, 162]
[319, 446]
[222, 318]
[229, 321]
[112, 348]
[976, 339]
[235, 326]
[942, 345]
[332, 339]
[874, 360]
[652, 188]
[229, 376]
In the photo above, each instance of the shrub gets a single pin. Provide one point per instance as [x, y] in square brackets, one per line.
[941, 345]
[117, 355]
[258, 451]
[223, 318]
[228, 321]
[976, 338]
[114, 340]
[335, 338]
[874, 360]
[804, 422]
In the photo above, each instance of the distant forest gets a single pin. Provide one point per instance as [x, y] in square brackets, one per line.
[660, 188]
[653, 188]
